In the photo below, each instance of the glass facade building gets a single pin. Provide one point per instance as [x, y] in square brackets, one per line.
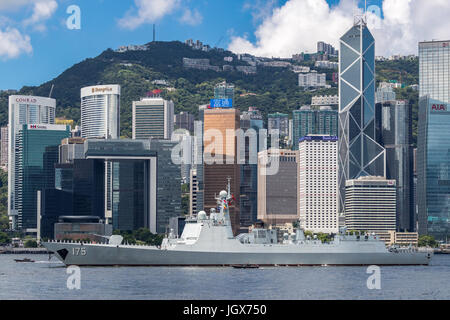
[396, 137]
[129, 189]
[307, 121]
[433, 150]
[359, 153]
[249, 171]
[37, 155]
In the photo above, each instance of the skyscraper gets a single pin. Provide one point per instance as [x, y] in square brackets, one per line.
[278, 193]
[433, 149]
[359, 153]
[153, 118]
[23, 110]
[251, 120]
[317, 183]
[396, 137]
[216, 174]
[100, 112]
[37, 154]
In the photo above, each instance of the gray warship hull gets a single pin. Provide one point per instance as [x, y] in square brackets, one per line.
[209, 241]
[123, 255]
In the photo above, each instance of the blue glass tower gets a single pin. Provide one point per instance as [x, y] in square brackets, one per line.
[359, 153]
[433, 149]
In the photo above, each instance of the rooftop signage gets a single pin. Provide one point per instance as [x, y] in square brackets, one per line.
[100, 90]
[318, 138]
[221, 103]
[435, 107]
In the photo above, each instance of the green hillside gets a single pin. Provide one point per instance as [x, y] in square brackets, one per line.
[271, 89]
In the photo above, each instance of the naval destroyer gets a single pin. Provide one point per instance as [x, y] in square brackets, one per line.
[209, 241]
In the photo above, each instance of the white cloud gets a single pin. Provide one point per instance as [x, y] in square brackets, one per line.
[42, 11]
[13, 44]
[260, 9]
[191, 17]
[299, 24]
[148, 11]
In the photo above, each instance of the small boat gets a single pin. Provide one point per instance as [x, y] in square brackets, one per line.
[23, 260]
[245, 266]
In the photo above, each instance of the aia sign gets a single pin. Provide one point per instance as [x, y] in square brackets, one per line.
[439, 107]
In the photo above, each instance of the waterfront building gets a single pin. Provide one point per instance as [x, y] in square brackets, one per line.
[317, 183]
[312, 121]
[100, 112]
[433, 149]
[404, 239]
[396, 137]
[37, 154]
[153, 118]
[223, 150]
[278, 193]
[146, 183]
[4, 147]
[370, 204]
[359, 153]
[23, 110]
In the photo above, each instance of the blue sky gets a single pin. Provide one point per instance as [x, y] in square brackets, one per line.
[46, 47]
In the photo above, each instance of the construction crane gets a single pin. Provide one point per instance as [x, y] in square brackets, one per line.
[51, 91]
[218, 42]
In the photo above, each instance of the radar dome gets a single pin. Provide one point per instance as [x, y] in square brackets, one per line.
[201, 215]
[223, 194]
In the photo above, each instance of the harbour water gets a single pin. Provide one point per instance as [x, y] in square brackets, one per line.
[47, 280]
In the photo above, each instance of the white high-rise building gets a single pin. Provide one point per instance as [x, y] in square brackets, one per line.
[100, 112]
[317, 183]
[153, 118]
[23, 110]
